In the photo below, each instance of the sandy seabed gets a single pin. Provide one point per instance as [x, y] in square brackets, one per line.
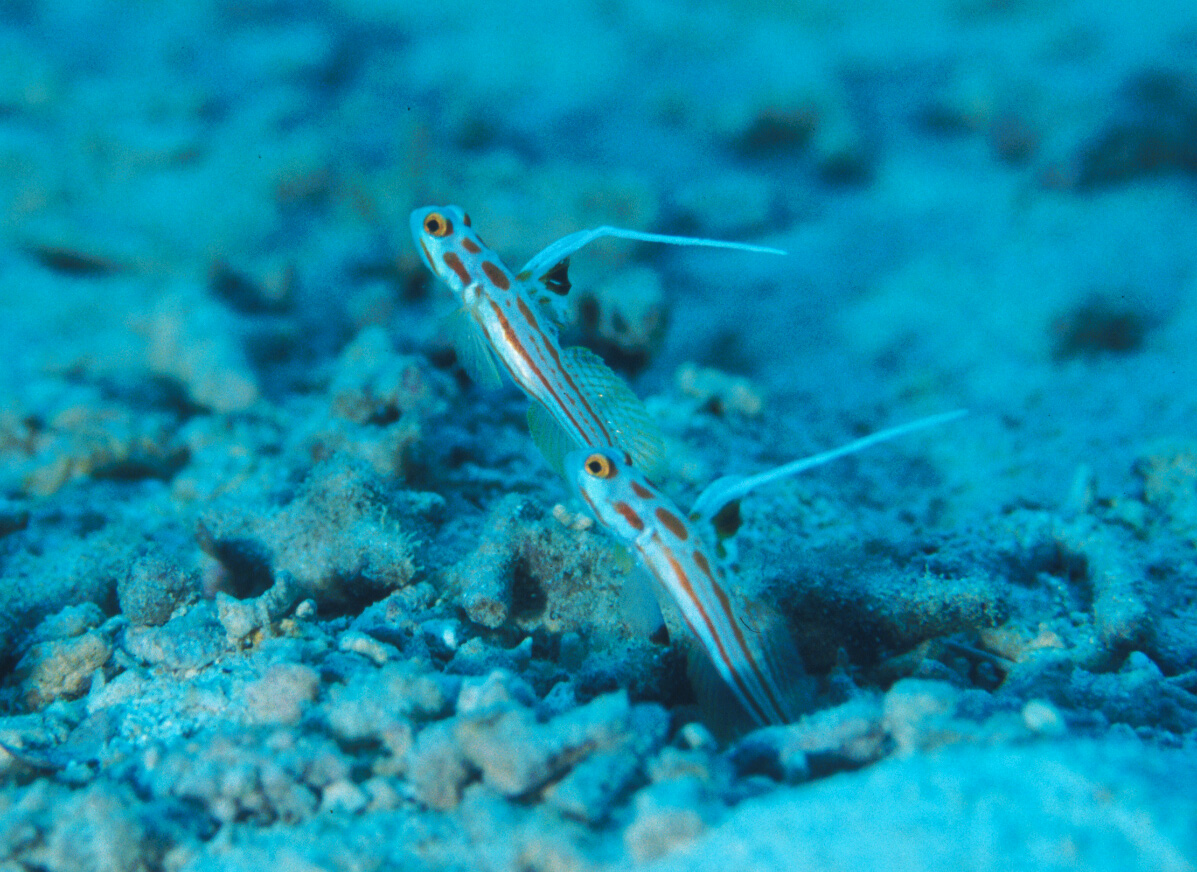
[280, 587]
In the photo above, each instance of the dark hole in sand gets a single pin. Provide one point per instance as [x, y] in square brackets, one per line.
[1099, 325]
[527, 597]
[245, 561]
[775, 132]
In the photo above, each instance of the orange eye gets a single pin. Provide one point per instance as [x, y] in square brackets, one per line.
[599, 465]
[437, 224]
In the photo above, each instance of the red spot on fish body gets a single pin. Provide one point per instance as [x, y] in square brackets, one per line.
[672, 523]
[525, 311]
[454, 263]
[629, 515]
[495, 274]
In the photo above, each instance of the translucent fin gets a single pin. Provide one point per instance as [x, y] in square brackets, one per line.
[718, 705]
[772, 644]
[473, 351]
[550, 292]
[632, 428]
[543, 264]
[625, 561]
[556, 280]
[553, 441]
[770, 638]
[733, 487]
[638, 604]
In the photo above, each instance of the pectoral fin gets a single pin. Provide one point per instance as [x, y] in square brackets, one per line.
[553, 441]
[772, 645]
[639, 605]
[473, 350]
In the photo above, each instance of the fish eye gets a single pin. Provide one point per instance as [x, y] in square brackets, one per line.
[599, 466]
[436, 224]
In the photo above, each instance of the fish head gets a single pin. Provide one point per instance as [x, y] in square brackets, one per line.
[618, 494]
[451, 249]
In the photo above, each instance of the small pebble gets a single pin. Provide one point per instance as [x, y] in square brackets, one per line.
[436, 769]
[497, 689]
[343, 796]
[281, 694]
[667, 816]
[62, 668]
[1043, 718]
[696, 737]
[373, 650]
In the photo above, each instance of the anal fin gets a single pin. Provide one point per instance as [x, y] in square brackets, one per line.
[772, 645]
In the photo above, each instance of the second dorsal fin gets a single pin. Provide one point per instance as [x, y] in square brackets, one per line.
[632, 428]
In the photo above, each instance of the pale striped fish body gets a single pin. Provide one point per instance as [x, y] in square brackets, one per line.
[577, 400]
[748, 646]
[675, 553]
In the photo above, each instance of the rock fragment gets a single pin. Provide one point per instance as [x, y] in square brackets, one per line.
[516, 755]
[64, 652]
[368, 708]
[436, 767]
[590, 790]
[666, 816]
[335, 542]
[153, 588]
[483, 580]
[196, 340]
[1120, 613]
[189, 641]
[281, 694]
[240, 617]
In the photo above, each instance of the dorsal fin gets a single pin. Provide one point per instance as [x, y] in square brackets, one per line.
[550, 291]
[632, 428]
[723, 490]
[556, 280]
[546, 261]
[473, 351]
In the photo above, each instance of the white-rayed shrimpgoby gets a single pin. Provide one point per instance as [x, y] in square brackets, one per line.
[758, 664]
[578, 401]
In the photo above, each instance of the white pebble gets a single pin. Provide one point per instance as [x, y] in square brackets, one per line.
[1042, 718]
